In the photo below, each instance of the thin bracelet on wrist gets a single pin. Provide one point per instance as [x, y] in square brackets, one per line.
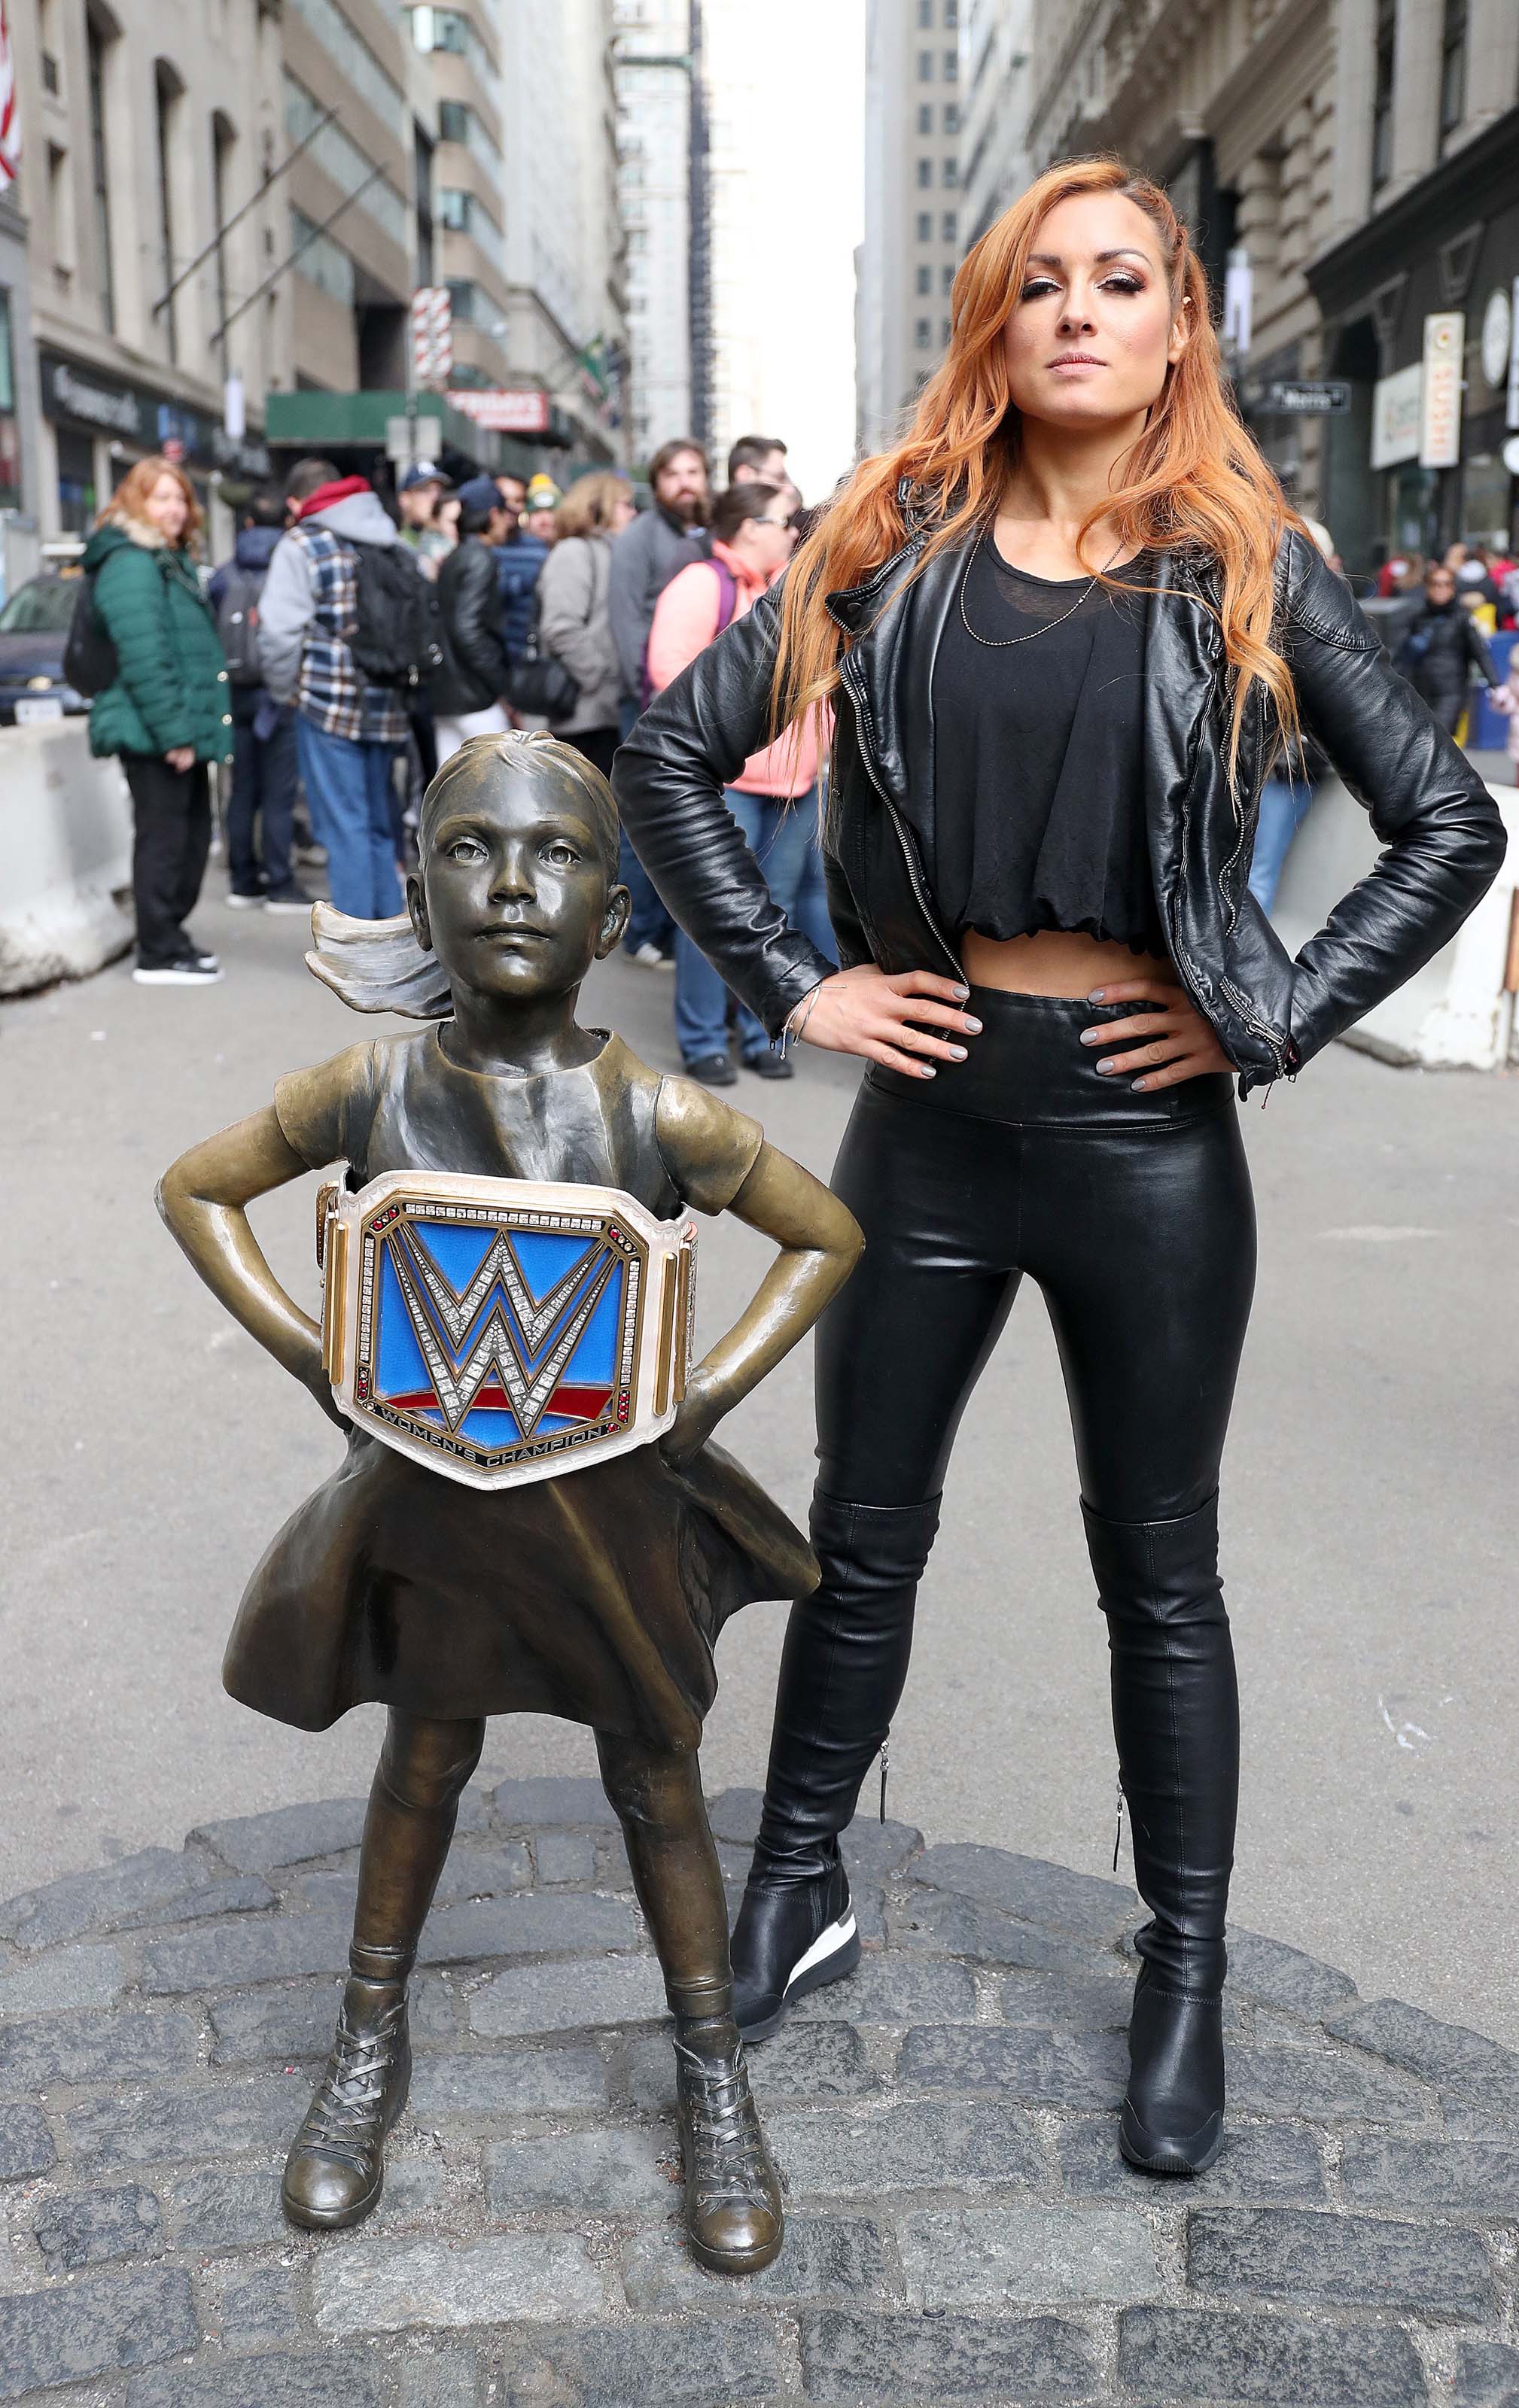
[794, 1028]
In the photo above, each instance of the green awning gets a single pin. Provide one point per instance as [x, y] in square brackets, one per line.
[340, 422]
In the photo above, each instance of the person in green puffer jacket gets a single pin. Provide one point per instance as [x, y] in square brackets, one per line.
[167, 712]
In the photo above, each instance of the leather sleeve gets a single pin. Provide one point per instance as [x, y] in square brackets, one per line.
[669, 779]
[476, 629]
[1442, 832]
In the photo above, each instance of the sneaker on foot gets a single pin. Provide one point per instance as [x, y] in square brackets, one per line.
[766, 1065]
[713, 1069]
[192, 970]
[246, 899]
[292, 900]
[647, 955]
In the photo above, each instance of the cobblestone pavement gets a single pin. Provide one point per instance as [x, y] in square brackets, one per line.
[961, 2226]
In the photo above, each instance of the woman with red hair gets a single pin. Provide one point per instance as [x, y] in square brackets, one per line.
[1064, 627]
[167, 711]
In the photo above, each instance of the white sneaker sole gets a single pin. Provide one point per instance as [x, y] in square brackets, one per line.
[178, 977]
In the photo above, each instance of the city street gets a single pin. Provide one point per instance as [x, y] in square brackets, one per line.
[1368, 1513]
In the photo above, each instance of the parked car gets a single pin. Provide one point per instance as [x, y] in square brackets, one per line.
[33, 628]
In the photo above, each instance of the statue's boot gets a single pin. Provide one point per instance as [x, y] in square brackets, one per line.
[335, 2171]
[733, 2212]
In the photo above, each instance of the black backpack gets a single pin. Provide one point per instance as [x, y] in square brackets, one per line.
[237, 623]
[90, 661]
[397, 639]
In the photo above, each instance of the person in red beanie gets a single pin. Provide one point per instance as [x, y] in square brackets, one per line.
[348, 732]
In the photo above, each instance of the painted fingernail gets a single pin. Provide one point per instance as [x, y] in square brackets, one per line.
[960, 993]
[926, 1070]
[1138, 1085]
[972, 1027]
[1092, 1037]
[1108, 1065]
[958, 1051]
[1097, 994]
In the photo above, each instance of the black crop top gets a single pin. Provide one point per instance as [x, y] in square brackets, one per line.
[1039, 796]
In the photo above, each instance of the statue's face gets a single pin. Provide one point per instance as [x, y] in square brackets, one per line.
[515, 898]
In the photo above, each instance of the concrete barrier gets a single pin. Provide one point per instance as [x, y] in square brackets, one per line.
[1455, 1015]
[65, 856]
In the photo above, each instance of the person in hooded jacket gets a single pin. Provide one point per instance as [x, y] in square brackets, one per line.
[166, 713]
[1443, 645]
[466, 693]
[264, 775]
[348, 732]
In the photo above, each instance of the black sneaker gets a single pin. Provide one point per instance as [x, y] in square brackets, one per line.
[292, 899]
[791, 1937]
[713, 1069]
[194, 970]
[766, 1065]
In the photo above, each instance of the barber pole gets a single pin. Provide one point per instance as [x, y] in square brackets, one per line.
[432, 333]
[10, 132]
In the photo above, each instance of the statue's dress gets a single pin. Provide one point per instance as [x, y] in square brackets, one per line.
[596, 1596]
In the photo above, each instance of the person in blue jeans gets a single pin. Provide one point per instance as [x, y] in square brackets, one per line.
[781, 832]
[1285, 801]
[349, 734]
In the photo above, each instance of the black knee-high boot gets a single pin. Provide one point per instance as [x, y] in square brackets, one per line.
[1175, 1718]
[842, 1674]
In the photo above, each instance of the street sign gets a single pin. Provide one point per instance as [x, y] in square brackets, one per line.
[432, 333]
[413, 439]
[1292, 399]
[504, 410]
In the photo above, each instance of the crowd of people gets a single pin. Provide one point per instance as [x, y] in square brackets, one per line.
[346, 648]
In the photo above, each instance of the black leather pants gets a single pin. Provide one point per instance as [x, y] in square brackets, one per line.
[1133, 1216]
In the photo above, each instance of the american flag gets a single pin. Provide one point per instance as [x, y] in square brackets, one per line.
[10, 132]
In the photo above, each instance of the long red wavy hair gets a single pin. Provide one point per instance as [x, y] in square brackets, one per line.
[1194, 477]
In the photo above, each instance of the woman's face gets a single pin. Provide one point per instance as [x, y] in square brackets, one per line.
[1439, 586]
[514, 896]
[1094, 329]
[624, 512]
[167, 508]
[447, 514]
[770, 539]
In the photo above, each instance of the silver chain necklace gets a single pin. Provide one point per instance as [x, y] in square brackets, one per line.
[1003, 643]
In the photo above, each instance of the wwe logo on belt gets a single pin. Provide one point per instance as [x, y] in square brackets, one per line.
[502, 1362]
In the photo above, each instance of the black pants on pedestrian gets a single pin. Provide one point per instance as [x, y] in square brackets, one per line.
[171, 836]
[1133, 1216]
[264, 780]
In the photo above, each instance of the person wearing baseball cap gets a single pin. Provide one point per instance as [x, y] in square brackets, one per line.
[417, 495]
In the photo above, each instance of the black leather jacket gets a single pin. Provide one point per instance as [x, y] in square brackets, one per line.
[1440, 649]
[1444, 836]
[474, 670]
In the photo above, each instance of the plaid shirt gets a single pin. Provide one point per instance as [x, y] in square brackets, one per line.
[331, 692]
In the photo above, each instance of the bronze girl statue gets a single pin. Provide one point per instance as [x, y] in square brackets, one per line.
[507, 1299]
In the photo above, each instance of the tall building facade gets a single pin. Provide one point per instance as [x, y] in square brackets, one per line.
[146, 130]
[996, 57]
[654, 82]
[465, 177]
[914, 220]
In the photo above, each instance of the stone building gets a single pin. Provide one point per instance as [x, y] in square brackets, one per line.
[914, 221]
[654, 86]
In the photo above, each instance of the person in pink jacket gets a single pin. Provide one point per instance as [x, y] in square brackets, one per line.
[773, 801]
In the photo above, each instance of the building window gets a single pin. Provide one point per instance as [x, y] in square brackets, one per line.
[925, 117]
[951, 225]
[1452, 69]
[925, 277]
[463, 213]
[468, 303]
[322, 261]
[921, 332]
[168, 93]
[222, 139]
[356, 61]
[951, 65]
[951, 14]
[94, 45]
[947, 275]
[1381, 94]
[449, 29]
[925, 226]
[925, 174]
[459, 123]
[950, 173]
[343, 163]
[951, 117]
[925, 13]
[925, 66]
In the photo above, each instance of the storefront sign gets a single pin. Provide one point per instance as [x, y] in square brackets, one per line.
[1311, 400]
[1440, 428]
[505, 410]
[145, 419]
[1396, 410]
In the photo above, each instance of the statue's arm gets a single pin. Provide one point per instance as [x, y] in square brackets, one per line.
[819, 1243]
[202, 1197]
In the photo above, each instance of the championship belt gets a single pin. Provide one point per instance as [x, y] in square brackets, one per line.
[501, 1331]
